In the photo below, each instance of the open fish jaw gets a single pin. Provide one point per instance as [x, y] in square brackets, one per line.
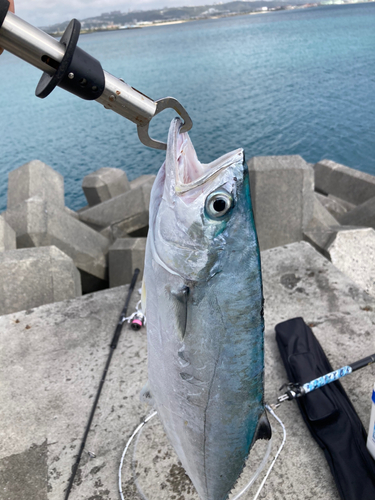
[205, 316]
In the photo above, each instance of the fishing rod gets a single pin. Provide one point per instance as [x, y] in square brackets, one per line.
[113, 346]
[296, 390]
[67, 66]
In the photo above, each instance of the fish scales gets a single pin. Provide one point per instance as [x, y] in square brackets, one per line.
[204, 306]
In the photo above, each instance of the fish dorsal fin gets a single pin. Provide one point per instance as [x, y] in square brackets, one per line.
[263, 430]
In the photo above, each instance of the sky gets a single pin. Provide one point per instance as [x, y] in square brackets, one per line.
[47, 12]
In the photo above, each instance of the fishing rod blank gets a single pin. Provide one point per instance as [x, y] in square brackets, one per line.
[296, 390]
[113, 346]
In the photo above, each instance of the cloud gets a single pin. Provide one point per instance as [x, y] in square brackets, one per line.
[44, 13]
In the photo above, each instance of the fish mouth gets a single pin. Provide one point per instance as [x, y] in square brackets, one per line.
[189, 172]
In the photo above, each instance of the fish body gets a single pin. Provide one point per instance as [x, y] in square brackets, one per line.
[204, 307]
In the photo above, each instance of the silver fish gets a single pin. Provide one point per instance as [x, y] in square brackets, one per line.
[203, 300]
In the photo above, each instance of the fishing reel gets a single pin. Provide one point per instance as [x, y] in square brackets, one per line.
[138, 321]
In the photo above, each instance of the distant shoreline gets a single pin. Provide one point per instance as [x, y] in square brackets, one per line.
[217, 16]
[180, 21]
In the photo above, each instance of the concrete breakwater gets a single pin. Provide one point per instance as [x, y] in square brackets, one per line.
[52, 356]
[49, 253]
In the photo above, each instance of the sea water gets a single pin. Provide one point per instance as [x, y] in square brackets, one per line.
[282, 83]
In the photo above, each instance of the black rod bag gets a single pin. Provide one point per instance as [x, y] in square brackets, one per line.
[328, 412]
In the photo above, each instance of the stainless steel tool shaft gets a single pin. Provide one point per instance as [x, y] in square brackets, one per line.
[68, 66]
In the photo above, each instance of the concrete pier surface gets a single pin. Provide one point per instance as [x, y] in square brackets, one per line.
[51, 362]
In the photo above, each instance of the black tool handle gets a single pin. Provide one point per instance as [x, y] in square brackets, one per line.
[4, 7]
[362, 362]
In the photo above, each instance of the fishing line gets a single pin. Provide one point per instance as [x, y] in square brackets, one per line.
[277, 454]
[133, 465]
[257, 472]
[253, 478]
[127, 447]
[250, 483]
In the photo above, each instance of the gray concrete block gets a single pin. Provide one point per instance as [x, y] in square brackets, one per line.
[348, 206]
[321, 228]
[52, 359]
[35, 179]
[128, 210]
[104, 184]
[334, 207]
[321, 216]
[282, 191]
[142, 179]
[7, 236]
[71, 212]
[92, 283]
[135, 227]
[125, 255]
[38, 223]
[32, 277]
[320, 237]
[346, 183]
[353, 252]
[363, 215]
[108, 233]
[82, 209]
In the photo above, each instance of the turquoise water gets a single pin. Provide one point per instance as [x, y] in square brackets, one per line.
[290, 82]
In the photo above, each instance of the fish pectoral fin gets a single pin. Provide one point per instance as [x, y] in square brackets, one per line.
[180, 299]
[263, 430]
[145, 395]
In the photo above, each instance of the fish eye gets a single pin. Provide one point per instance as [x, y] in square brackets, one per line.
[218, 203]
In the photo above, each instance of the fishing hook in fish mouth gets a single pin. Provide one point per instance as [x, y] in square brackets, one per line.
[161, 105]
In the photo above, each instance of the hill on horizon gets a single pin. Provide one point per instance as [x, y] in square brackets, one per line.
[174, 13]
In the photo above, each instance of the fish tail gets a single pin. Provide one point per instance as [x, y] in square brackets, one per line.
[263, 430]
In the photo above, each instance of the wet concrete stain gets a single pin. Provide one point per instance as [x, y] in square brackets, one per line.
[55, 474]
[30, 466]
[96, 469]
[129, 490]
[78, 478]
[327, 291]
[179, 481]
[290, 281]
[102, 495]
[98, 483]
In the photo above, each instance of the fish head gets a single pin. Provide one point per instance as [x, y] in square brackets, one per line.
[193, 207]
